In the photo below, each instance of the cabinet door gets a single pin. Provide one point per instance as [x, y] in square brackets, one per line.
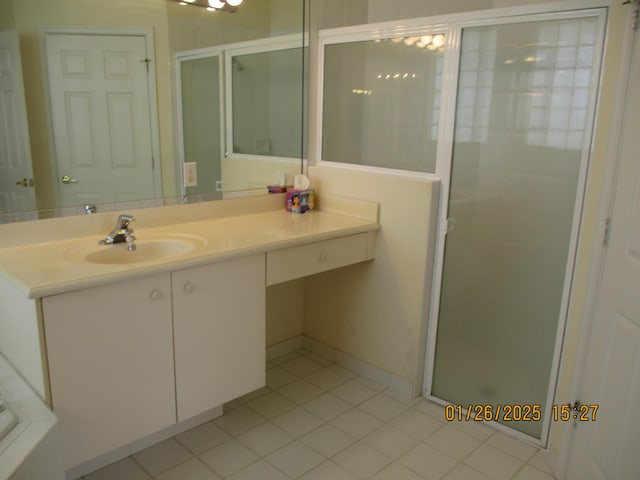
[219, 333]
[111, 364]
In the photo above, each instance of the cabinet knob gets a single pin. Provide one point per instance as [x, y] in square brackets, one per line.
[322, 257]
[189, 288]
[156, 295]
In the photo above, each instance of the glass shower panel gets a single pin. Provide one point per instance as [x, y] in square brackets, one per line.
[266, 103]
[201, 107]
[521, 121]
[381, 102]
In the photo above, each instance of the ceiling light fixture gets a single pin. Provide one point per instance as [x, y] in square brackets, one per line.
[229, 6]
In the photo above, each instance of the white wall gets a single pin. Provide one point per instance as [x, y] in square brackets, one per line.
[375, 311]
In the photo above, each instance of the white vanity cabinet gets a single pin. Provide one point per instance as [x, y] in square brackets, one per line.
[110, 356]
[131, 358]
[219, 333]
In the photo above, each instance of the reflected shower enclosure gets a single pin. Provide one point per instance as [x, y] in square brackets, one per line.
[241, 113]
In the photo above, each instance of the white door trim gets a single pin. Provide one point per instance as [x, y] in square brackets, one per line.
[604, 213]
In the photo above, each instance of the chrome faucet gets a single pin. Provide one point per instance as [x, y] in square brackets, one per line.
[121, 233]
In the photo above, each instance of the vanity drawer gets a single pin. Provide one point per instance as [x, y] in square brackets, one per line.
[296, 262]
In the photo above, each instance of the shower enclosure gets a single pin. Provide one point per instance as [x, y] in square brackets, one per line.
[524, 109]
[498, 105]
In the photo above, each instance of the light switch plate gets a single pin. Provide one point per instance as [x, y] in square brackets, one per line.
[190, 174]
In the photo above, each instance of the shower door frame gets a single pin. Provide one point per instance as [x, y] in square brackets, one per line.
[444, 163]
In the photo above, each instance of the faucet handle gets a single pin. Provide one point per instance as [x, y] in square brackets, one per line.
[124, 221]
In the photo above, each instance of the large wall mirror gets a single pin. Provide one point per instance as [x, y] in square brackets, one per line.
[223, 94]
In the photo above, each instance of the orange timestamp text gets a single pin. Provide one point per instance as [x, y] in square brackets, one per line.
[494, 413]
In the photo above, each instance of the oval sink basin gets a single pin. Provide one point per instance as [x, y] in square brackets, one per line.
[147, 250]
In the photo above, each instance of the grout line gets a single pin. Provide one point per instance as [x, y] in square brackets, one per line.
[411, 405]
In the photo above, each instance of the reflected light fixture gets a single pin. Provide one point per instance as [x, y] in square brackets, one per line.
[230, 6]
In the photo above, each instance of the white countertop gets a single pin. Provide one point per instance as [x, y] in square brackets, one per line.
[43, 269]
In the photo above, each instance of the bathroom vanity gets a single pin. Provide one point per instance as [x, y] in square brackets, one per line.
[126, 346]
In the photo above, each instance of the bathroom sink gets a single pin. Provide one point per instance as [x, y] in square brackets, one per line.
[147, 250]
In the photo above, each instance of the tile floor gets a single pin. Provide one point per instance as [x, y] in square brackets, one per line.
[315, 420]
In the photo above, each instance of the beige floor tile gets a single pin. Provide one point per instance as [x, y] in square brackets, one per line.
[277, 377]
[271, 405]
[453, 442]
[530, 473]
[239, 420]
[162, 456]
[327, 407]
[328, 471]
[328, 440]
[203, 437]
[541, 461]
[357, 423]
[361, 461]
[260, 470]
[427, 461]
[353, 392]
[125, 469]
[383, 407]
[327, 378]
[192, 469]
[265, 439]
[464, 472]
[493, 462]
[228, 458]
[416, 423]
[300, 391]
[298, 422]
[295, 459]
[391, 441]
[302, 366]
[512, 446]
[395, 471]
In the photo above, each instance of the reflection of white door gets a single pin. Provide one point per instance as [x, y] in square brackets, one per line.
[16, 177]
[608, 449]
[101, 117]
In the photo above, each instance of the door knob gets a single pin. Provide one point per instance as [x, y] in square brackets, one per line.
[25, 182]
[67, 180]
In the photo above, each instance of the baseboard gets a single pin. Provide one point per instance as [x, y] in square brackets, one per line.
[345, 360]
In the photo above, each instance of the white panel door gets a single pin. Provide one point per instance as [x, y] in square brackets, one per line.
[608, 448]
[219, 333]
[101, 118]
[16, 177]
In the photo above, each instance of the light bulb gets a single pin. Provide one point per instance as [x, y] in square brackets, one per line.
[438, 40]
[426, 39]
[216, 4]
[234, 3]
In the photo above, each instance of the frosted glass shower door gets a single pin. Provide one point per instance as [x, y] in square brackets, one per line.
[522, 122]
[201, 117]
